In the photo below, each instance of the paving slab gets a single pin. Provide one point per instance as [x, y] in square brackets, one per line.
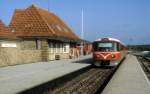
[15, 79]
[128, 79]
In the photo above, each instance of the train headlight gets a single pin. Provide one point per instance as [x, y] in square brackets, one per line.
[113, 56]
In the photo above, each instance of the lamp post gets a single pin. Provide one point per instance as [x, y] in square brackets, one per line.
[82, 31]
[48, 4]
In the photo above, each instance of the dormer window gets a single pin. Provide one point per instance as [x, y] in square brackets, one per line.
[57, 26]
[13, 30]
[28, 25]
[65, 29]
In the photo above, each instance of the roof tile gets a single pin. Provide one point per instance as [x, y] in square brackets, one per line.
[35, 21]
[5, 32]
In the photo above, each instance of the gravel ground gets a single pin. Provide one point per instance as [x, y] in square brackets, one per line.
[87, 83]
[90, 81]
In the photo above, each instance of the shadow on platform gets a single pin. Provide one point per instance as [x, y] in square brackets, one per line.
[84, 61]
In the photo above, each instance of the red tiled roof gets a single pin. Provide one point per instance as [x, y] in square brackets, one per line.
[5, 32]
[35, 21]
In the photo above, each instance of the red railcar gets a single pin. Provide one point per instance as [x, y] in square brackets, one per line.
[108, 52]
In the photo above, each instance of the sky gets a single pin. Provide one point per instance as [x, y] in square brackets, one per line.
[127, 20]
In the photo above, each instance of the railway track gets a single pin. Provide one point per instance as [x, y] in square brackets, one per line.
[88, 82]
[145, 63]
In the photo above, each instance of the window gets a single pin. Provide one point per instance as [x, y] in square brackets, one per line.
[66, 48]
[51, 47]
[57, 26]
[13, 30]
[65, 29]
[57, 49]
[105, 46]
[61, 48]
[54, 47]
[38, 44]
[28, 25]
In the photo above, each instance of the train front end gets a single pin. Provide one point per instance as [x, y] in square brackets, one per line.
[106, 53]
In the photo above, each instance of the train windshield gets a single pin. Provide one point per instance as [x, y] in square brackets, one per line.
[109, 45]
[105, 46]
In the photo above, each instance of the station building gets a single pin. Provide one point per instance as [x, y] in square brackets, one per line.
[35, 35]
[7, 38]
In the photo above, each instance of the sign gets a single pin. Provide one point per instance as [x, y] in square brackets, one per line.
[8, 45]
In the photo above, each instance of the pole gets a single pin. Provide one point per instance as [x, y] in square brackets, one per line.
[82, 31]
[48, 5]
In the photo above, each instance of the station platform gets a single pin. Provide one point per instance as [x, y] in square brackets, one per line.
[128, 79]
[15, 79]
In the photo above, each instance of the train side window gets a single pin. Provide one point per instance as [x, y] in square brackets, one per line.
[118, 47]
[122, 48]
[115, 47]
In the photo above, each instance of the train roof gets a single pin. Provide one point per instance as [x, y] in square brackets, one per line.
[109, 39]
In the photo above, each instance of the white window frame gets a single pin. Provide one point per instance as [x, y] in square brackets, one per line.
[61, 48]
[56, 47]
[38, 44]
[66, 48]
[51, 47]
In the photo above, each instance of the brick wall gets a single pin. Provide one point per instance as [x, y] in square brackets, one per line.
[9, 56]
[14, 56]
[26, 52]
